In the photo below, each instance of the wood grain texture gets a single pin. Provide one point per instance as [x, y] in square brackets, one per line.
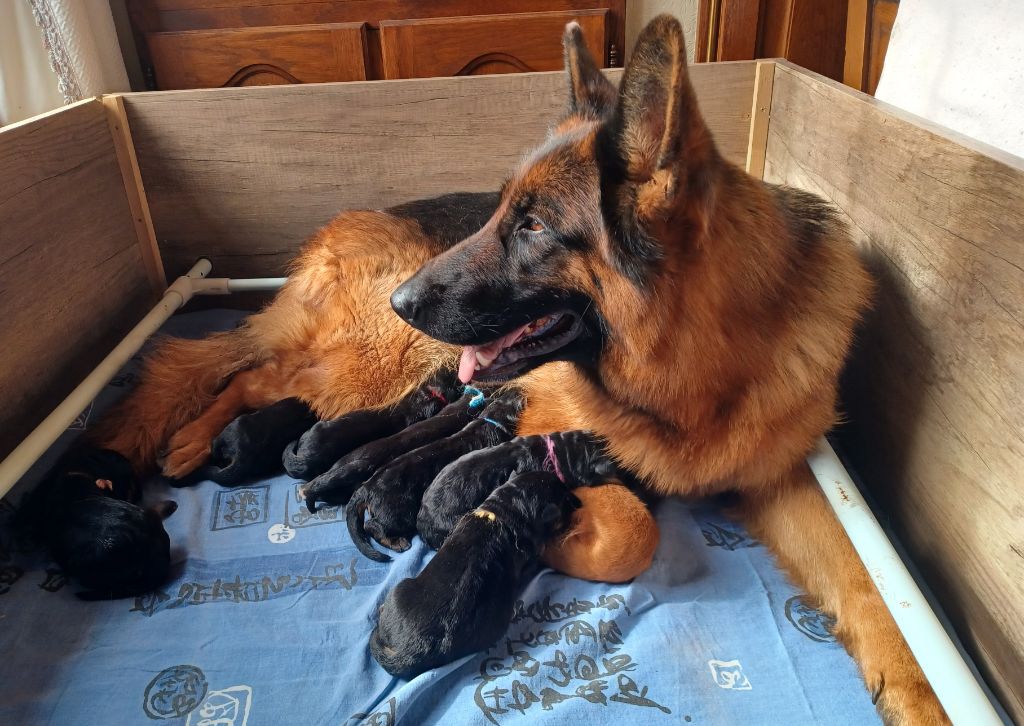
[858, 14]
[737, 29]
[71, 272]
[760, 114]
[935, 392]
[259, 56]
[135, 192]
[520, 42]
[246, 175]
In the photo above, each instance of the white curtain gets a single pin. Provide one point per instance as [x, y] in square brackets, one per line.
[960, 64]
[56, 51]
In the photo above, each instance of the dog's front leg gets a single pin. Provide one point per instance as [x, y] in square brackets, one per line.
[796, 523]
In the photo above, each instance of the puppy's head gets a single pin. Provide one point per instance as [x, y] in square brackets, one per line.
[111, 547]
[534, 504]
[408, 638]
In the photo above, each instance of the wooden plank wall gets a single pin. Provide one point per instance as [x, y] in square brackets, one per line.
[72, 278]
[935, 392]
[244, 176]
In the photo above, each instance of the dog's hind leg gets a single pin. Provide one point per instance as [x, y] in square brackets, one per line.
[179, 379]
[190, 447]
[796, 523]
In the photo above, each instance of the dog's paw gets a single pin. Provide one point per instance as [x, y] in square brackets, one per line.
[186, 451]
[904, 697]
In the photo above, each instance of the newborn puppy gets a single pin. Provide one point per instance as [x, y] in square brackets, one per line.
[462, 601]
[327, 441]
[577, 458]
[251, 445]
[83, 513]
[335, 486]
[392, 496]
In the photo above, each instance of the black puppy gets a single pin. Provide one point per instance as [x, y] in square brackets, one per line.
[83, 512]
[577, 458]
[462, 601]
[327, 441]
[251, 445]
[336, 485]
[392, 496]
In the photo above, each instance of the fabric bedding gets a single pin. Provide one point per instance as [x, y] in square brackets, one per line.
[267, 617]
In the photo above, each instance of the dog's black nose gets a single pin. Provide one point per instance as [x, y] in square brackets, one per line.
[408, 302]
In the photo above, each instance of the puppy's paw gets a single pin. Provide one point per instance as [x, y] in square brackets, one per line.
[382, 513]
[335, 486]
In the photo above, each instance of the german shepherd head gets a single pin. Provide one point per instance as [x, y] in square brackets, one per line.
[576, 231]
[627, 245]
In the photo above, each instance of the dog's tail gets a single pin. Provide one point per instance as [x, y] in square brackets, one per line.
[355, 512]
[179, 380]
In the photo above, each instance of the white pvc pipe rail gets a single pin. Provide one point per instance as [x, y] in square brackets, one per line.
[180, 292]
[952, 680]
[955, 685]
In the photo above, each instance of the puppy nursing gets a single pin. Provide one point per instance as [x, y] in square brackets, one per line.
[462, 601]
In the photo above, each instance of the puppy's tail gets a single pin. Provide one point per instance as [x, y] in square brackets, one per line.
[354, 516]
[179, 380]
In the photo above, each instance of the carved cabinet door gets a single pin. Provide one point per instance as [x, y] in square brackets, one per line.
[263, 56]
[484, 44]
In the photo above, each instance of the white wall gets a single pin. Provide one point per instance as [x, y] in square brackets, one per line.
[639, 12]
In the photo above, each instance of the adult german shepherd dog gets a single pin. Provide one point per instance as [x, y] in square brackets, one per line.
[635, 285]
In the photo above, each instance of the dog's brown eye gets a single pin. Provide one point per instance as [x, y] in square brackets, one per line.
[533, 225]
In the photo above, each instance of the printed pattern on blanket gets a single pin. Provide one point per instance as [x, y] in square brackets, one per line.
[267, 617]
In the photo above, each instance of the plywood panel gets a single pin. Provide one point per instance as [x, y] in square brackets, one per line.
[936, 389]
[246, 175]
[71, 272]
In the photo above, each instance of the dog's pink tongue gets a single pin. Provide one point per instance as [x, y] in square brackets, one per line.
[467, 364]
[469, 361]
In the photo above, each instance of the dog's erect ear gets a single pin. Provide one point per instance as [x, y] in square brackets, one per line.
[658, 132]
[657, 145]
[591, 95]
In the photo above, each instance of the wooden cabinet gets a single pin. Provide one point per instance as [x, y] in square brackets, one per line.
[212, 43]
[259, 56]
[808, 32]
[467, 46]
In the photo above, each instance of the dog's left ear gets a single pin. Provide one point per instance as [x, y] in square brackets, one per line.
[658, 129]
[591, 95]
[659, 152]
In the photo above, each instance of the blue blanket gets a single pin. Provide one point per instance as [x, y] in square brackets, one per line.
[268, 614]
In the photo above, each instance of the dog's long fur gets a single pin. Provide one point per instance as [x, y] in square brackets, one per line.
[727, 305]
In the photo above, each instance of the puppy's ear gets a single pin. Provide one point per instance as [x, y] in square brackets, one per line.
[591, 95]
[550, 515]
